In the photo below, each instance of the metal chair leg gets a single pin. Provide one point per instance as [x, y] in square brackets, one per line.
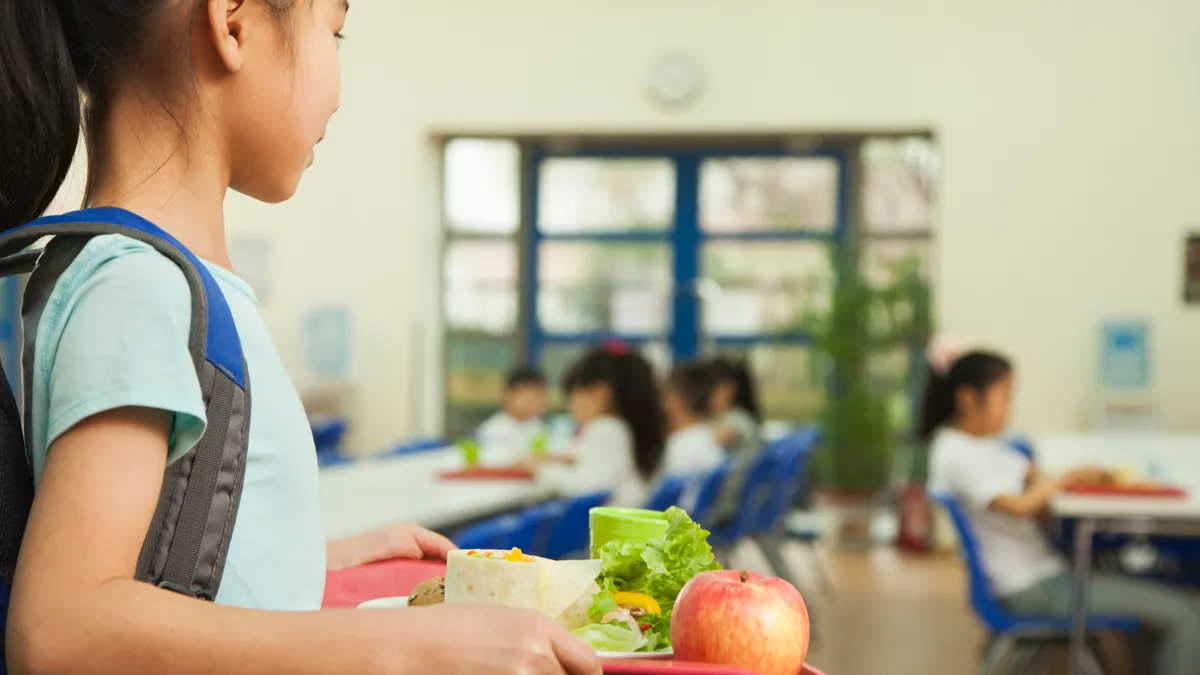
[998, 656]
[1089, 663]
[772, 549]
[1024, 656]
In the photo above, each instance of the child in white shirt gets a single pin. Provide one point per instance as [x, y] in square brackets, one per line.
[692, 446]
[613, 396]
[1004, 493]
[510, 434]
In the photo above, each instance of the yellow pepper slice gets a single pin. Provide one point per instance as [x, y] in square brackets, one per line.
[627, 599]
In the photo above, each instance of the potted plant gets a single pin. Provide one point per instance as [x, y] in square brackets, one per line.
[867, 415]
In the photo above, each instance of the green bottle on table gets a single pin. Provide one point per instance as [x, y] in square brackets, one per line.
[540, 445]
[470, 452]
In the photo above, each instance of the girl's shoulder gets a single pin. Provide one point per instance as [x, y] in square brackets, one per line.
[130, 267]
[608, 426]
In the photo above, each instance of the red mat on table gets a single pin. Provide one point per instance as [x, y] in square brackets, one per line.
[1113, 491]
[488, 473]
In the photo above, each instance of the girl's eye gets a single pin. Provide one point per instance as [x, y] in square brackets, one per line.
[339, 36]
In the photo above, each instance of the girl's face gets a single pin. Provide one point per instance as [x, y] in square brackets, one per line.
[986, 414]
[586, 403]
[724, 397]
[285, 90]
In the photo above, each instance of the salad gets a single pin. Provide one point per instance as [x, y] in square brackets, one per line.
[639, 584]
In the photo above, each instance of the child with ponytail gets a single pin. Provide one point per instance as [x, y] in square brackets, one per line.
[1004, 493]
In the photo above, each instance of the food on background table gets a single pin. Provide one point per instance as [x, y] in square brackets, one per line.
[742, 620]
[432, 592]
[640, 581]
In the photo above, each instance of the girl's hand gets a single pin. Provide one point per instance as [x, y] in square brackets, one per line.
[401, 540]
[472, 639]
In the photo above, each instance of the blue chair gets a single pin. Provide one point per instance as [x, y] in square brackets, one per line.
[700, 499]
[768, 526]
[328, 433]
[328, 458]
[1023, 637]
[417, 446]
[754, 497]
[499, 533]
[667, 493]
[539, 522]
[569, 536]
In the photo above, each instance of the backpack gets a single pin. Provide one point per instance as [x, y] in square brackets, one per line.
[186, 546]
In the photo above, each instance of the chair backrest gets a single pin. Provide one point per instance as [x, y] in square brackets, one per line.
[417, 446]
[328, 433]
[668, 492]
[1021, 444]
[983, 600]
[755, 497]
[787, 479]
[500, 533]
[539, 525]
[569, 536]
[706, 494]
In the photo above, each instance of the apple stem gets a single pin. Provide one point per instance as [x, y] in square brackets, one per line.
[745, 576]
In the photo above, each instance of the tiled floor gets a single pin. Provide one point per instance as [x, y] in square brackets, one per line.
[890, 615]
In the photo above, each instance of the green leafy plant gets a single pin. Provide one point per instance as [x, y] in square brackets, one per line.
[866, 321]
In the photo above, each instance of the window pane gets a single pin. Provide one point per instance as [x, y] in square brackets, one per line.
[475, 370]
[899, 183]
[622, 288]
[762, 287]
[790, 383]
[482, 187]
[885, 261]
[605, 195]
[749, 194]
[481, 285]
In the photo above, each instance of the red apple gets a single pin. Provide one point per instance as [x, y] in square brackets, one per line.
[743, 620]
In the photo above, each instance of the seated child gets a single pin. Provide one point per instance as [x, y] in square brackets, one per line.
[691, 446]
[1004, 494]
[511, 433]
[736, 419]
[613, 396]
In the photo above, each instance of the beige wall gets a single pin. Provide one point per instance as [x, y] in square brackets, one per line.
[1071, 149]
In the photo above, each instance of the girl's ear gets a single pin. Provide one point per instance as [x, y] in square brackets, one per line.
[227, 20]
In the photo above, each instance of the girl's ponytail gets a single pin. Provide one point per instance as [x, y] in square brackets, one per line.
[939, 405]
[39, 109]
[975, 370]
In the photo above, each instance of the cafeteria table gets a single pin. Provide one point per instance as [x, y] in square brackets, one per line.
[351, 587]
[373, 492]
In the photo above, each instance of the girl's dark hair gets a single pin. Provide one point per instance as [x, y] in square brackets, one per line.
[60, 63]
[635, 397]
[694, 382]
[736, 371]
[523, 376]
[978, 370]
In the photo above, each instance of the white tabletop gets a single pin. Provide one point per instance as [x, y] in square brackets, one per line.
[375, 492]
[1174, 457]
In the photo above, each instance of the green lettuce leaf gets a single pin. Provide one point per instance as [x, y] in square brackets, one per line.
[658, 568]
[611, 637]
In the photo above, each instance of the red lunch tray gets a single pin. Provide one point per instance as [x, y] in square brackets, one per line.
[394, 578]
[488, 473]
[1115, 491]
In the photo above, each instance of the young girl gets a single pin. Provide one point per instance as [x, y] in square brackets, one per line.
[614, 398]
[1003, 492]
[736, 420]
[186, 99]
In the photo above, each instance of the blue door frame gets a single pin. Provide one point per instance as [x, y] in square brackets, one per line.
[686, 238]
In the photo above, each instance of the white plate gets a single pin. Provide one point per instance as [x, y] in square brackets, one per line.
[652, 656]
[385, 603]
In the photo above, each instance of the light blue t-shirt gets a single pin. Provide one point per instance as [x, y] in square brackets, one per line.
[114, 333]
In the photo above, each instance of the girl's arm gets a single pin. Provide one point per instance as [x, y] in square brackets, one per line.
[1039, 490]
[725, 435]
[77, 611]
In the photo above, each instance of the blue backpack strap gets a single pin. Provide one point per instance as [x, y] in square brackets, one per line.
[188, 539]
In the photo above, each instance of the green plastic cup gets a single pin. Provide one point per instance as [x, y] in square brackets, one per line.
[609, 523]
[470, 451]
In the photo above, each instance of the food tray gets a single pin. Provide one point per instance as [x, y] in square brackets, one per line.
[351, 587]
[680, 668]
[1136, 491]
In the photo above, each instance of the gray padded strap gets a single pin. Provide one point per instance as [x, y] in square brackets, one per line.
[189, 534]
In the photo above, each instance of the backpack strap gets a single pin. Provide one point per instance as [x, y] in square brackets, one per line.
[188, 540]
